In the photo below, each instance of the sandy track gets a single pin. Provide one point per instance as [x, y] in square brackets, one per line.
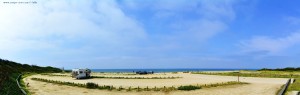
[258, 86]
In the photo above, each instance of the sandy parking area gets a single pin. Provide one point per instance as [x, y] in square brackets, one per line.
[257, 86]
[186, 79]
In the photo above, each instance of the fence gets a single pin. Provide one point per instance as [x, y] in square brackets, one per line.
[282, 91]
[19, 85]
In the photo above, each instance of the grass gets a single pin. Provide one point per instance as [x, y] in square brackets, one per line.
[10, 87]
[91, 85]
[223, 84]
[10, 70]
[55, 75]
[189, 87]
[295, 86]
[22, 83]
[172, 77]
[135, 77]
[268, 74]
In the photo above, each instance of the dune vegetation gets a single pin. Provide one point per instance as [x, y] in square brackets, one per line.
[267, 74]
[295, 86]
[9, 72]
[116, 77]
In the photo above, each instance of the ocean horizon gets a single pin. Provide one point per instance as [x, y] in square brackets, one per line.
[164, 70]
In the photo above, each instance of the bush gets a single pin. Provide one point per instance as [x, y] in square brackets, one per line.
[188, 88]
[135, 77]
[91, 85]
[10, 70]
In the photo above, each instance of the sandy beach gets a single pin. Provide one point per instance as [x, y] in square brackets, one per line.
[257, 86]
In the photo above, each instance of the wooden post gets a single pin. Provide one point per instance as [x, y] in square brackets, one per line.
[239, 76]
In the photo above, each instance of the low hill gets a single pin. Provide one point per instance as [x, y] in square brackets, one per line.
[10, 70]
[281, 69]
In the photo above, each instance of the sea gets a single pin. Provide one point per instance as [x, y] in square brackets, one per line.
[164, 70]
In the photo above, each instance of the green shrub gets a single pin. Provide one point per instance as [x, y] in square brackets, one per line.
[174, 72]
[188, 88]
[295, 86]
[104, 87]
[134, 77]
[91, 85]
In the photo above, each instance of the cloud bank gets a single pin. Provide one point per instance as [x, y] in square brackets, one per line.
[53, 25]
[270, 46]
[128, 34]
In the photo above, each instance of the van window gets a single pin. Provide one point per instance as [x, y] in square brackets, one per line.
[80, 72]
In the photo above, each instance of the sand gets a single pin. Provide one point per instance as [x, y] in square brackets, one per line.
[257, 86]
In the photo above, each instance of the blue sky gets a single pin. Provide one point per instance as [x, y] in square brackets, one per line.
[152, 33]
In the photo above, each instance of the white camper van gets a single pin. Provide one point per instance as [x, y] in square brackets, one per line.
[81, 73]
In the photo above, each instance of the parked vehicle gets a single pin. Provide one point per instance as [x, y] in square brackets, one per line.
[144, 72]
[81, 73]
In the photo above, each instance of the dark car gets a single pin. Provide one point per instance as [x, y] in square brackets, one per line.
[144, 72]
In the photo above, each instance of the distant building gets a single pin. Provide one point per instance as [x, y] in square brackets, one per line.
[81, 73]
[63, 69]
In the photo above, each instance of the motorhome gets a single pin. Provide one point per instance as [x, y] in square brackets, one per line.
[81, 73]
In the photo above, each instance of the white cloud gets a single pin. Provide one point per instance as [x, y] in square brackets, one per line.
[64, 29]
[179, 24]
[293, 20]
[51, 24]
[211, 19]
[189, 21]
[269, 45]
[222, 10]
[197, 31]
[188, 29]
